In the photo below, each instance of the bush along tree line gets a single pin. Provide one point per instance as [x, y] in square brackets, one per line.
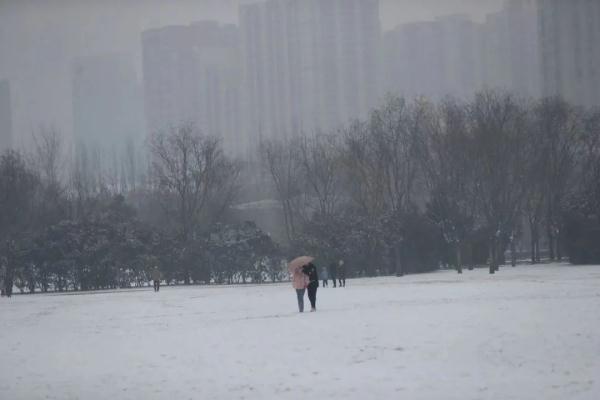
[419, 184]
[89, 230]
[415, 185]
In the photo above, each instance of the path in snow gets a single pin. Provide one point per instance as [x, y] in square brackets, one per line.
[524, 333]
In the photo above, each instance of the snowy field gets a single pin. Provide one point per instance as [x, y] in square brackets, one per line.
[525, 333]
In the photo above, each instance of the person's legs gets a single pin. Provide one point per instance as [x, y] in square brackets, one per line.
[157, 286]
[312, 295]
[334, 280]
[300, 295]
[344, 282]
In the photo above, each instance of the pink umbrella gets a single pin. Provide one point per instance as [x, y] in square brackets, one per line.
[298, 263]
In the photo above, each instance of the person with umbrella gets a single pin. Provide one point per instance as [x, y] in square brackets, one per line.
[299, 279]
[310, 270]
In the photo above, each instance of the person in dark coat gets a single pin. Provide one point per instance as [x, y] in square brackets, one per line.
[310, 270]
[341, 269]
[324, 276]
[156, 276]
[332, 272]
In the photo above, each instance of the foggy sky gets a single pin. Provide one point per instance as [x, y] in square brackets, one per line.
[40, 38]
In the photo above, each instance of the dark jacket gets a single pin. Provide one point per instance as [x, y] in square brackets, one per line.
[311, 271]
[333, 270]
[156, 275]
[341, 270]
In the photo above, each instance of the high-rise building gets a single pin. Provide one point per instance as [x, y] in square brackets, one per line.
[107, 101]
[309, 65]
[453, 55]
[570, 51]
[460, 55]
[413, 60]
[510, 49]
[524, 47]
[5, 117]
[193, 74]
[433, 58]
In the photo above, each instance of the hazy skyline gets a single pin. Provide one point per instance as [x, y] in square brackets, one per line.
[40, 39]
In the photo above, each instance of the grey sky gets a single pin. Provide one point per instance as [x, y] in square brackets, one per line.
[40, 38]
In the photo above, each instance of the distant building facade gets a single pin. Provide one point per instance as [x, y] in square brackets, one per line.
[412, 58]
[6, 134]
[570, 49]
[510, 52]
[107, 101]
[453, 55]
[193, 74]
[309, 65]
[433, 58]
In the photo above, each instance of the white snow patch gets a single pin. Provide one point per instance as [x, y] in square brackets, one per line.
[524, 333]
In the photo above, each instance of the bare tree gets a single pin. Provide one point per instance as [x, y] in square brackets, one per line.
[498, 127]
[49, 155]
[283, 162]
[364, 170]
[449, 175]
[321, 163]
[557, 126]
[81, 181]
[49, 162]
[535, 196]
[190, 171]
[398, 130]
[18, 186]
[382, 158]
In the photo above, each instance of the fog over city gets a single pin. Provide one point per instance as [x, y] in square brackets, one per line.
[285, 199]
[40, 39]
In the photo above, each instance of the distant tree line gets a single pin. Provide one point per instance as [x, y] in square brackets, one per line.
[415, 185]
[419, 183]
[67, 224]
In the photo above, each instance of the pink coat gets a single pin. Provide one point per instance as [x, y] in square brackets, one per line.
[299, 280]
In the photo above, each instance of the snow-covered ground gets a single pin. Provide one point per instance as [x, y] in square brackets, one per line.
[525, 333]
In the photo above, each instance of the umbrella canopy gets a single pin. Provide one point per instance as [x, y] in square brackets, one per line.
[298, 263]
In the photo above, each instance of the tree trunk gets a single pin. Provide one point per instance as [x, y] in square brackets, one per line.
[513, 253]
[534, 241]
[500, 258]
[458, 259]
[499, 255]
[470, 256]
[398, 261]
[286, 221]
[550, 244]
[492, 257]
[186, 277]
